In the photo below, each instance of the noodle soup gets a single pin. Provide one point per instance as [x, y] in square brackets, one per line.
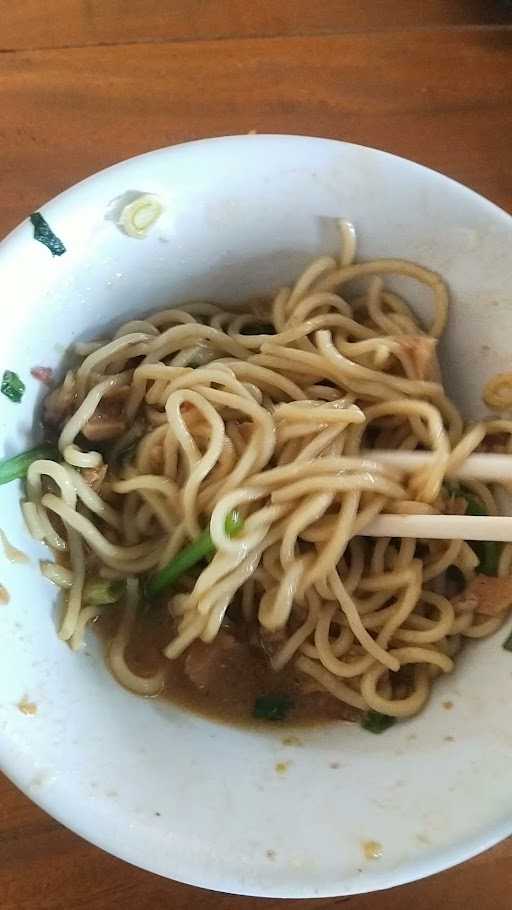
[212, 476]
[227, 680]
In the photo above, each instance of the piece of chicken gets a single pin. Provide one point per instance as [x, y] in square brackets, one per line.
[59, 403]
[486, 594]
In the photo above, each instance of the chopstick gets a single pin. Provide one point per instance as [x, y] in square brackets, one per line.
[441, 527]
[481, 466]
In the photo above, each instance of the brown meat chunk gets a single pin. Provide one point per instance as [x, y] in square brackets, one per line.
[42, 374]
[103, 426]
[267, 642]
[421, 350]
[465, 602]
[205, 661]
[487, 594]
[117, 393]
[107, 422]
[59, 403]
[495, 442]
[156, 459]
[95, 477]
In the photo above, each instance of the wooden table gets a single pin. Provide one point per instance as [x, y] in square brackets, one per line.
[85, 83]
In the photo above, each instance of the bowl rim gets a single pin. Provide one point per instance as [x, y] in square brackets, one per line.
[252, 137]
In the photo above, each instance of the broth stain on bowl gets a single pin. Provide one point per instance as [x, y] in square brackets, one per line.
[372, 849]
[12, 553]
[27, 707]
[423, 839]
[291, 741]
[41, 779]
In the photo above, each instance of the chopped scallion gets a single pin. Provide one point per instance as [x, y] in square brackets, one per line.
[272, 707]
[200, 548]
[44, 234]
[102, 591]
[488, 551]
[12, 386]
[474, 507]
[375, 722]
[140, 215]
[16, 467]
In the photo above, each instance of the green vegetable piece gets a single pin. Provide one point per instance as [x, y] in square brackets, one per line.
[272, 707]
[102, 591]
[375, 722]
[234, 523]
[488, 551]
[200, 548]
[45, 235]
[12, 386]
[474, 506]
[507, 644]
[16, 467]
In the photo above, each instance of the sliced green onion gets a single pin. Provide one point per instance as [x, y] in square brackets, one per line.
[272, 707]
[507, 644]
[12, 386]
[138, 216]
[474, 506]
[102, 591]
[44, 234]
[375, 722]
[16, 467]
[200, 548]
[488, 551]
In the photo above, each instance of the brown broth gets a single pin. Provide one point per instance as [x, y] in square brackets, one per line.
[229, 680]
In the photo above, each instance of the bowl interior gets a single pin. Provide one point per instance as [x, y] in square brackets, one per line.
[164, 789]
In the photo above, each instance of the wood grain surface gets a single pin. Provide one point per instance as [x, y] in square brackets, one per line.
[30, 24]
[85, 83]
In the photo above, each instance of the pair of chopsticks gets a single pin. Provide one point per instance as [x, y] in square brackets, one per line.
[489, 468]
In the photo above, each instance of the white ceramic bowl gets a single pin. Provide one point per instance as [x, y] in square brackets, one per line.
[164, 789]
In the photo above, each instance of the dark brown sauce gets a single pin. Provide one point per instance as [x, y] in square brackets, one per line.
[221, 680]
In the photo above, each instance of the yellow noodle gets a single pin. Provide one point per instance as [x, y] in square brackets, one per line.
[497, 392]
[142, 685]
